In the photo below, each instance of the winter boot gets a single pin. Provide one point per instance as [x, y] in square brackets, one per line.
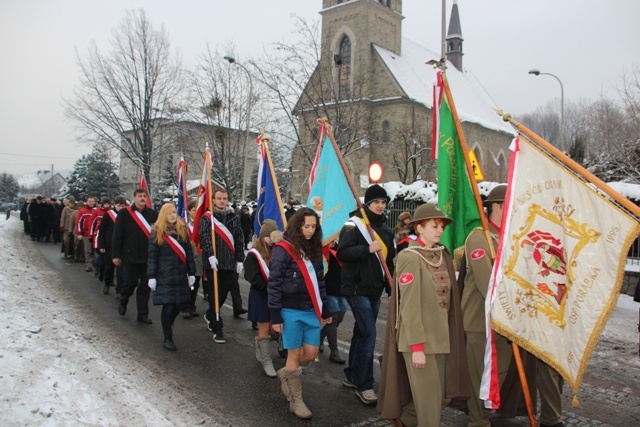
[168, 341]
[331, 331]
[265, 356]
[284, 386]
[296, 405]
[255, 344]
[323, 334]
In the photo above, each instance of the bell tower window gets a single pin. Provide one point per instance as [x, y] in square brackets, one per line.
[343, 62]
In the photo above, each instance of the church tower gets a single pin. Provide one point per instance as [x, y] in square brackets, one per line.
[454, 38]
[349, 28]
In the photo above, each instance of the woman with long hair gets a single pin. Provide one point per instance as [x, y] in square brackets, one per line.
[256, 272]
[171, 268]
[297, 300]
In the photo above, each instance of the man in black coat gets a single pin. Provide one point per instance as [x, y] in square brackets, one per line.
[247, 225]
[105, 243]
[130, 248]
[227, 261]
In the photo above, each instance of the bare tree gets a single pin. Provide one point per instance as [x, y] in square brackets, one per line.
[122, 95]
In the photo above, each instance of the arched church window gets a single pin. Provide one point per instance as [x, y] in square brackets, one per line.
[502, 168]
[386, 131]
[344, 72]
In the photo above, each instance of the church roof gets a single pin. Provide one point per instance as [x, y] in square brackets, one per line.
[415, 77]
[455, 29]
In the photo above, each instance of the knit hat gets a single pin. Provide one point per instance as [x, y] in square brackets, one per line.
[403, 216]
[268, 226]
[429, 211]
[375, 192]
[496, 195]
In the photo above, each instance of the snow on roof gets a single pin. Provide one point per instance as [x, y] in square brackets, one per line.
[416, 78]
[630, 191]
[425, 191]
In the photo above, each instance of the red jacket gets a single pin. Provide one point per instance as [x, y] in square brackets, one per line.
[83, 221]
[95, 220]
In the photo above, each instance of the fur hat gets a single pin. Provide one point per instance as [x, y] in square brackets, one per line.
[268, 226]
[404, 215]
[276, 236]
[429, 211]
[496, 195]
[375, 192]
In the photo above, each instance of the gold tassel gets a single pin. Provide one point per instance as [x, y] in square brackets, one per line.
[575, 402]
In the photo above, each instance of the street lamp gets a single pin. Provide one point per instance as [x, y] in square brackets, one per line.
[536, 72]
[232, 60]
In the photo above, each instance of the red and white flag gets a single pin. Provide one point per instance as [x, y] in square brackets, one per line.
[204, 197]
[560, 261]
[142, 183]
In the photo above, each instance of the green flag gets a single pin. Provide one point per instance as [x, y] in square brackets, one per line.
[455, 195]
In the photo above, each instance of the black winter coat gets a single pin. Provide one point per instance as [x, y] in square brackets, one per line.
[171, 274]
[105, 234]
[227, 260]
[287, 288]
[130, 243]
[361, 270]
[253, 273]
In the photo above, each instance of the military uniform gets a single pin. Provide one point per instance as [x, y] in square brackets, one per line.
[424, 289]
[476, 283]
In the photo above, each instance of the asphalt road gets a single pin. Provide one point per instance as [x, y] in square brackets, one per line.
[227, 379]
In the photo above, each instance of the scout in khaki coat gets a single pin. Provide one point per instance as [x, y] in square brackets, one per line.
[425, 296]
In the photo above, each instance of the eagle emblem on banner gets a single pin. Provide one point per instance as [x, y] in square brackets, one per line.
[545, 253]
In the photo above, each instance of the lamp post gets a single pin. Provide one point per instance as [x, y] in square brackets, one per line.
[232, 60]
[536, 72]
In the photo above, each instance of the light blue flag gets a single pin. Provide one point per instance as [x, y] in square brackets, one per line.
[330, 195]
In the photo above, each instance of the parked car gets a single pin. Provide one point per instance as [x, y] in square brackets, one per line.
[8, 206]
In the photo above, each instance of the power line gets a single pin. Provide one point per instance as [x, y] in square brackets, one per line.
[35, 155]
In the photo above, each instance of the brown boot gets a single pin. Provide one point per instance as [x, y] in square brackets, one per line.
[297, 406]
[284, 386]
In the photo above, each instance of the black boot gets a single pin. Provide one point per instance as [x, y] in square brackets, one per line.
[168, 341]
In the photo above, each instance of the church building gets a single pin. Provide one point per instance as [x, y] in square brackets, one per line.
[375, 88]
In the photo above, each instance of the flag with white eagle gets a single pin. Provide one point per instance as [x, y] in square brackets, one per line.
[560, 260]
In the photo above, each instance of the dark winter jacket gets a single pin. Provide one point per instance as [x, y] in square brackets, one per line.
[105, 233]
[361, 271]
[253, 273]
[171, 274]
[226, 259]
[333, 278]
[287, 288]
[130, 243]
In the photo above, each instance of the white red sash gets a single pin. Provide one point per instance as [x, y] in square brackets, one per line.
[139, 219]
[177, 248]
[113, 215]
[309, 275]
[223, 232]
[363, 229]
[264, 268]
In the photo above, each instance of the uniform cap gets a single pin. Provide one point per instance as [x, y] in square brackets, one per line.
[429, 211]
[496, 195]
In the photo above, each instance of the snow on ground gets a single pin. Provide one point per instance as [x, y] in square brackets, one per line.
[57, 370]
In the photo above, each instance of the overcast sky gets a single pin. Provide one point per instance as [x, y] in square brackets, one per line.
[588, 44]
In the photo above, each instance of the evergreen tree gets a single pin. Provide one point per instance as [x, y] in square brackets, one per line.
[8, 187]
[94, 175]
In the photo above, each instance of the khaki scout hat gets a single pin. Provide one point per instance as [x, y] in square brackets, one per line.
[429, 211]
[496, 195]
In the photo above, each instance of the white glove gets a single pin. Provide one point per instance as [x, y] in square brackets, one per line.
[192, 280]
[240, 268]
[213, 262]
[152, 284]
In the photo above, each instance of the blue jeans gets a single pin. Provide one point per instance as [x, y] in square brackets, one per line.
[365, 312]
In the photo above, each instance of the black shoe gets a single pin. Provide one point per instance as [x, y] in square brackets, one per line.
[194, 313]
[122, 309]
[218, 337]
[207, 321]
[88, 269]
[239, 313]
[145, 320]
[101, 278]
[168, 341]
[105, 290]
[254, 326]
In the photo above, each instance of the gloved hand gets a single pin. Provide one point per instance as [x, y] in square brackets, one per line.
[152, 284]
[213, 262]
[192, 280]
[240, 268]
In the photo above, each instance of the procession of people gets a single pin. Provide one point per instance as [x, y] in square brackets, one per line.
[301, 290]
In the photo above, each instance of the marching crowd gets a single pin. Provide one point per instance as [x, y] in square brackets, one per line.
[300, 291]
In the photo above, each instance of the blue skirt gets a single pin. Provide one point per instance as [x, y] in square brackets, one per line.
[258, 306]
